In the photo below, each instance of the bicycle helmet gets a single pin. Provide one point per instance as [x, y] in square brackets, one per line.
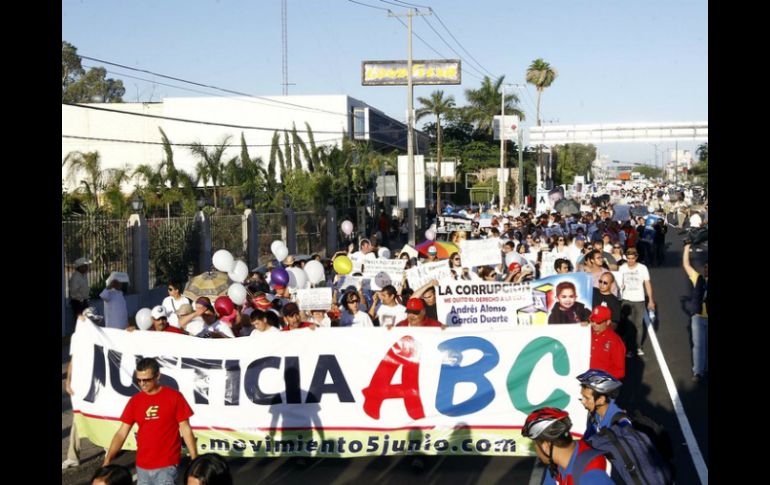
[599, 381]
[546, 423]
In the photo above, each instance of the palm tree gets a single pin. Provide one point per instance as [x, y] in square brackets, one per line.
[484, 104]
[91, 164]
[541, 75]
[438, 106]
[211, 166]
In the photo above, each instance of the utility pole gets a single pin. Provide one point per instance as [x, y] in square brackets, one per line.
[410, 123]
[501, 181]
[285, 50]
[676, 162]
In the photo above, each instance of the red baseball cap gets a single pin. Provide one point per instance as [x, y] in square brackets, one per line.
[600, 314]
[514, 267]
[415, 305]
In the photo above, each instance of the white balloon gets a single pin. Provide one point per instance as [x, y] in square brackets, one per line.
[223, 260]
[143, 319]
[347, 227]
[277, 248]
[382, 279]
[384, 253]
[237, 293]
[297, 278]
[433, 226]
[314, 271]
[430, 234]
[281, 253]
[239, 273]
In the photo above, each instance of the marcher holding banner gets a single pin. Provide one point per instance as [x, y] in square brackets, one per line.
[162, 414]
[416, 317]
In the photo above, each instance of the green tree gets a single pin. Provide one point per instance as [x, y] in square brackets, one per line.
[80, 86]
[484, 105]
[211, 167]
[572, 159]
[90, 165]
[541, 75]
[437, 106]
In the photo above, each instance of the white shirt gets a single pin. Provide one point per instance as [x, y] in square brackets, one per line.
[257, 333]
[78, 286]
[172, 305]
[632, 281]
[391, 315]
[360, 319]
[115, 310]
[195, 326]
[695, 220]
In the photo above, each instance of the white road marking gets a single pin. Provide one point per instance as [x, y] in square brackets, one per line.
[684, 423]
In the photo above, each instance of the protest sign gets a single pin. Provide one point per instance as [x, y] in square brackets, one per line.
[547, 259]
[485, 222]
[341, 401]
[480, 252]
[448, 224]
[314, 299]
[410, 251]
[460, 302]
[543, 203]
[621, 212]
[546, 299]
[421, 274]
[384, 272]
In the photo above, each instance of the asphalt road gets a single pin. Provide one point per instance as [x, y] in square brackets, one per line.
[645, 390]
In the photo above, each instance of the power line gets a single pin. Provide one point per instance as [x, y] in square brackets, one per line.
[212, 123]
[213, 87]
[370, 6]
[459, 43]
[450, 47]
[140, 142]
[431, 47]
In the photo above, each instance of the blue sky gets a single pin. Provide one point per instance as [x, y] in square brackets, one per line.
[618, 61]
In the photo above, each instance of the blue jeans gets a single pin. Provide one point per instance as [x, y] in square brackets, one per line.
[700, 344]
[156, 476]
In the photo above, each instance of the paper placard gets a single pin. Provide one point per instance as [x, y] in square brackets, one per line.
[480, 252]
[481, 302]
[314, 299]
[423, 273]
[410, 251]
[383, 272]
[485, 222]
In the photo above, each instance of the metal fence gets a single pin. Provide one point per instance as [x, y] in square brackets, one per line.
[269, 226]
[174, 245]
[226, 233]
[107, 242]
[311, 235]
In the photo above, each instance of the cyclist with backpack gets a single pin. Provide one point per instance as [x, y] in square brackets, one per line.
[569, 462]
[639, 449]
[598, 390]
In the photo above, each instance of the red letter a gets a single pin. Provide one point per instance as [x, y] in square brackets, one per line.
[404, 353]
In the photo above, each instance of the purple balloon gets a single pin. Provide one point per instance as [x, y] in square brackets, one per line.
[279, 276]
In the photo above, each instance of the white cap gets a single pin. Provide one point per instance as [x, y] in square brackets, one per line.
[159, 312]
[81, 261]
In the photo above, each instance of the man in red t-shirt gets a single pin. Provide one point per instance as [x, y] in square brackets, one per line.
[293, 319]
[608, 352]
[160, 321]
[161, 413]
[415, 315]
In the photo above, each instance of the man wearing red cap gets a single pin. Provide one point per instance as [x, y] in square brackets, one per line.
[415, 315]
[608, 352]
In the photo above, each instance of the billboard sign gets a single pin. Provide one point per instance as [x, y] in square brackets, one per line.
[394, 73]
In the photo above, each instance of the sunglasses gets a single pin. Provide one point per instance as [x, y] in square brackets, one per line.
[171, 289]
[602, 282]
[353, 301]
[142, 381]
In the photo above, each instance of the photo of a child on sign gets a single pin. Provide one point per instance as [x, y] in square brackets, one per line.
[566, 308]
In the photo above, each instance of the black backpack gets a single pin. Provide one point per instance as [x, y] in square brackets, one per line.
[636, 456]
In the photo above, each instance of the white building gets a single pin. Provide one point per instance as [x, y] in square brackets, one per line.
[135, 139]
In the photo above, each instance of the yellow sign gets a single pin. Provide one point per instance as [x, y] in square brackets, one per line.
[394, 73]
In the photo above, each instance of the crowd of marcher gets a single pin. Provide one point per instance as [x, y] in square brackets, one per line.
[614, 234]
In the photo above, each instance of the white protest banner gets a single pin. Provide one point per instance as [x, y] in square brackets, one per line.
[547, 259]
[421, 274]
[460, 302]
[448, 224]
[341, 400]
[315, 299]
[485, 222]
[357, 259]
[384, 272]
[347, 281]
[480, 252]
[543, 202]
